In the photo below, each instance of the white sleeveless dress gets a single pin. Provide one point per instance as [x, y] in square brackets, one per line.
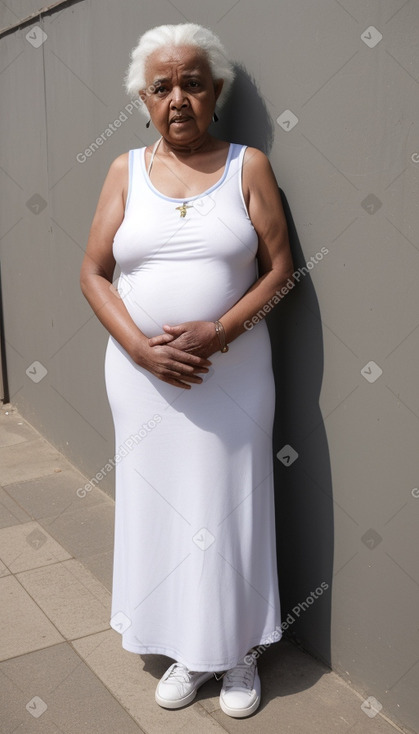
[195, 575]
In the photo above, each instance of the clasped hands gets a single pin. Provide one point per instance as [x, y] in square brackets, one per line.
[180, 354]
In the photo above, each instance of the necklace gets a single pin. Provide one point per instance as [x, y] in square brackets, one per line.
[182, 209]
[153, 153]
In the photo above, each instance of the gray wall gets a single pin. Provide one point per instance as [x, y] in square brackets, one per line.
[348, 506]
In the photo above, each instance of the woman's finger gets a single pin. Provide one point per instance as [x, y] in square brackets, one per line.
[160, 339]
[189, 357]
[185, 370]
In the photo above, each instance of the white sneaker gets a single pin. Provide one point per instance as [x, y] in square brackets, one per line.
[240, 694]
[178, 686]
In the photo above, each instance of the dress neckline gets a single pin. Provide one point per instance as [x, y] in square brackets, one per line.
[190, 198]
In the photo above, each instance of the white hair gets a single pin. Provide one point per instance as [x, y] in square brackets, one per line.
[183, 34]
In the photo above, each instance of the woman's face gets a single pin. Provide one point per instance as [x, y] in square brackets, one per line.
[180, 94]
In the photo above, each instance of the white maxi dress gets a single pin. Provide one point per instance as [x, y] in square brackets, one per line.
[195, 575]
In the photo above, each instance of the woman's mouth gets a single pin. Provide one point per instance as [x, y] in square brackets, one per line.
[179, 120]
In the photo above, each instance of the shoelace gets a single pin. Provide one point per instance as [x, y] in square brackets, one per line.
[180, 674]
[241, 676]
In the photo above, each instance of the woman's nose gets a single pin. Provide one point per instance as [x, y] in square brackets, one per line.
[178, 97]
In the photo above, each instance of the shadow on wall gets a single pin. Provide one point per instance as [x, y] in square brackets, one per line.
[244, 117]
[303, 486]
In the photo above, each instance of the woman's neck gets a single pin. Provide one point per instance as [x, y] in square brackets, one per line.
[202, 145]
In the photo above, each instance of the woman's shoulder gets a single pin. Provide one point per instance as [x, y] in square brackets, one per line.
[255, 156]
[120, 163]
[257, 170]
[118, 170]
[118, 173]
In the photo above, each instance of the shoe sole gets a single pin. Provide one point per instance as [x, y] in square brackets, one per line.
[240, 713]
[180, 702]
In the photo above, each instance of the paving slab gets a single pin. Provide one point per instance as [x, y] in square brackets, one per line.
[84, 531]
[11, 512]
[27, 546]
[70, 596]
[53, 494]
[101, 566]
[28, 460]
[13, 429]
[24, 627]
[53, 690]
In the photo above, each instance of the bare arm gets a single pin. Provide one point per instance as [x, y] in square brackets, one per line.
[274, 259]
[168, 363]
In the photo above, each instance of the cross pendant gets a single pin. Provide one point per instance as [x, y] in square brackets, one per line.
[183, 209]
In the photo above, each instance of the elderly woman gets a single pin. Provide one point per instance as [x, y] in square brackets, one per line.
[196, 226]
